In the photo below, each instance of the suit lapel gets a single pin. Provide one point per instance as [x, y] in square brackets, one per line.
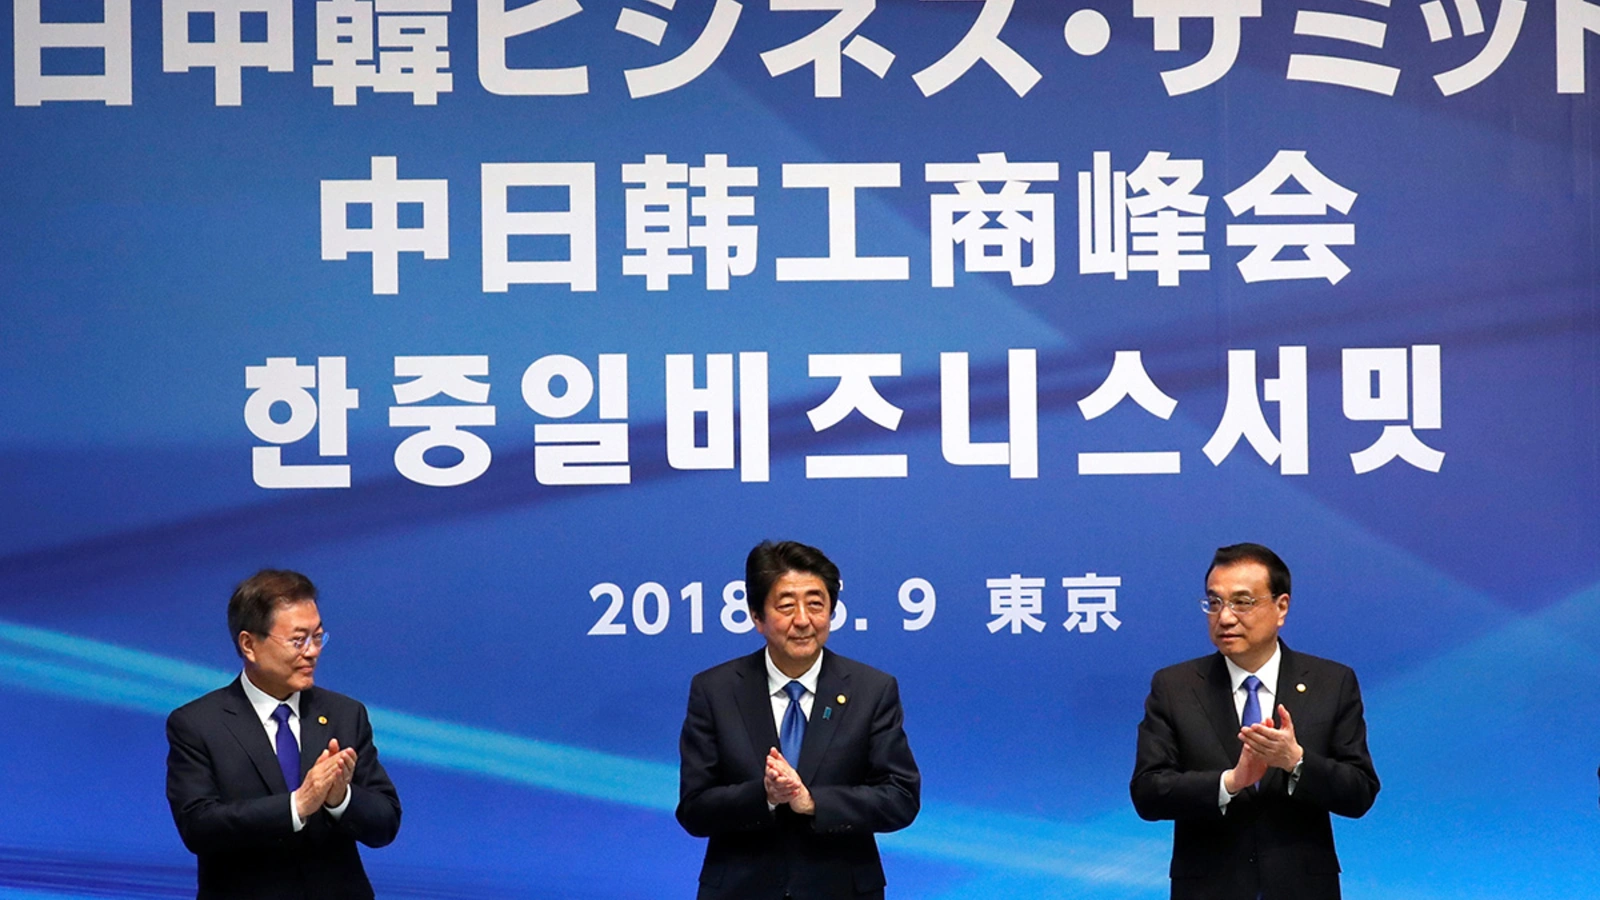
[1292, 672]
[240, 719]
[313, 734]
[1216, 697]
[826, 714]
[755, 706]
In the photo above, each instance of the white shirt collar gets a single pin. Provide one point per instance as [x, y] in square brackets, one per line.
[264, 703]
[1268, 673]
[776, 680]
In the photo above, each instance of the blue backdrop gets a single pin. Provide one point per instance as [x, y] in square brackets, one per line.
[1328, 272]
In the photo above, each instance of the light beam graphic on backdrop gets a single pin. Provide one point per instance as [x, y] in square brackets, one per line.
[68, 666]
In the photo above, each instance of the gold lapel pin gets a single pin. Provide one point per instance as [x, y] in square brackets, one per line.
[323, 720]
[839, 699]
[1301, 688]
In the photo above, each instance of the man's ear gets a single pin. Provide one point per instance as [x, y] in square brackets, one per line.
[247, 646]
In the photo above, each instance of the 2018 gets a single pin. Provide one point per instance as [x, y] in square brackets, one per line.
[651, 608]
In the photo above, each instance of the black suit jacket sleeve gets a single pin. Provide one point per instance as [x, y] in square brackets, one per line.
[1341, 780]
[206, 822]
[373, 814]
[1162, 788]
[888, 796]
[708, 802]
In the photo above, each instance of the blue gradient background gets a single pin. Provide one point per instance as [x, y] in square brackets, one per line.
[151, 253]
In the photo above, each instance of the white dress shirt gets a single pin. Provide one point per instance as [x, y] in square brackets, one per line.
[265, 705]
[1267, 693]
[777, 681]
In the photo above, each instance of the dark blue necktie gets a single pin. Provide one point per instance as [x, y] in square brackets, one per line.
[793, 733]
[1252, 703]
[288, 750]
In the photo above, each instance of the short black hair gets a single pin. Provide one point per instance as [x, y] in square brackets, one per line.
[1277, 571]
[769, 561]
[256, 601]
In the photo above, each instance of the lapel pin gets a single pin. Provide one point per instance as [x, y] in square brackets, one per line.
[1301, 688]
[840, 699]
[323, 720]
[827, 712]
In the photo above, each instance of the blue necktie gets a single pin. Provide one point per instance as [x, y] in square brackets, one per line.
[793, 733]
[288, 750]
[1252, 703]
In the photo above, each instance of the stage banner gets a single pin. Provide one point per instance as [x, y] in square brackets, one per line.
[515, 325]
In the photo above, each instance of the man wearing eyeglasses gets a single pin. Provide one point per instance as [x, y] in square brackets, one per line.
[272, 780]
[1250, 749]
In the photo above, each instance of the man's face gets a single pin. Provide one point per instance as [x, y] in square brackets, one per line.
[1246, 638]
[795, 623]
[275, 666]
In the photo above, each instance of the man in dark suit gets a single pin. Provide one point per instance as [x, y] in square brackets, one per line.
[791, 758]
[1250, 797]
[270, 779]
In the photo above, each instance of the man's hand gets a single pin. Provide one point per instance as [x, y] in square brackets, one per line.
[326, 783]
[1249, 770]
[344, 771]
[313, 787]
[784, 785]
[1276, 747]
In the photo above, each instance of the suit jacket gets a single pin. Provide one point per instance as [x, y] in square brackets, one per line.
[231, 804]
[1270, 843]
[855, 761]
